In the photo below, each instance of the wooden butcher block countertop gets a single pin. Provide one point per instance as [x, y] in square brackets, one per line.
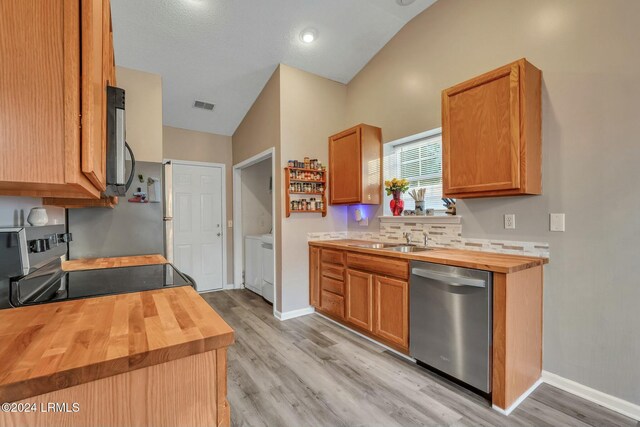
[53, 346]
[498, 263]
[115, 262]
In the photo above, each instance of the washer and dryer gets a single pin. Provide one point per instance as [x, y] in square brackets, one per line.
[258, 265]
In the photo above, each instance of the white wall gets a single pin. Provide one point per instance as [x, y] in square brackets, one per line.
[257, 204]
[312, 108]
[14, 211]
[143, 105]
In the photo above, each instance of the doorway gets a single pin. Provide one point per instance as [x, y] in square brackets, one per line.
[255, 225]
[199, 218]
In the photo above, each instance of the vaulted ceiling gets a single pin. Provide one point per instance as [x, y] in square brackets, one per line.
[224, 51]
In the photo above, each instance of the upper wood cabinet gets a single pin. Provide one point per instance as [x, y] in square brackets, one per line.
[56, 61]
[355, 160]
[491, 133]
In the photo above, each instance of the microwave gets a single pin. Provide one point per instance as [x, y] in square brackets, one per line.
[117, 180]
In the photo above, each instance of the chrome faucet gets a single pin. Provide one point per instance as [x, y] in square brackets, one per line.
[426, 238]
[408, 237]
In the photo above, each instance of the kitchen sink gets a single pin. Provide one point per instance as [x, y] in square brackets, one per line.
[407, 248]
[373, 245]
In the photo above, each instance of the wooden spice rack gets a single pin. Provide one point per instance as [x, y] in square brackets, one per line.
[287, 184]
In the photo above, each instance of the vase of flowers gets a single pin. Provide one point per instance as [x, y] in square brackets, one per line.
[396, 187]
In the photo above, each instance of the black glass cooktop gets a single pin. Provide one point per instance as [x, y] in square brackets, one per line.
[51, 284]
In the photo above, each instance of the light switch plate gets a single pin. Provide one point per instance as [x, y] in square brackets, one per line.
[510, 221]
[556, 222]
[230, 223]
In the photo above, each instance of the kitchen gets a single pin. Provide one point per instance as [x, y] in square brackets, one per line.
[296, 361]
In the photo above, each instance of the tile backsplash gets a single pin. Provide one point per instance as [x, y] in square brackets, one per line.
[441, 236]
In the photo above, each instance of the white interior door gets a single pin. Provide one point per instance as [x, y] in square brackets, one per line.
[198, 224]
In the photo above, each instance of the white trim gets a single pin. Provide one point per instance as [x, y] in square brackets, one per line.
[293, 313]
[436, 219]
[255, 159]
[417, 136]
[519, 400]
[616, 404]
[229, 286]
[190, 163]
[223, 195]
[238, 254]
[404, 356]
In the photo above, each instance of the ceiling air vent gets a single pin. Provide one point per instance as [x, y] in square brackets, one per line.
[203, 105]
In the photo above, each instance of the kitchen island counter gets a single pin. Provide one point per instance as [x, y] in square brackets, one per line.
[104, 351]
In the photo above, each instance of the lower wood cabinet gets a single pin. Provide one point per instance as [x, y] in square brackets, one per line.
[371, 294]
[332, 304]
[359, 299]
[391, 320]
[314, 277]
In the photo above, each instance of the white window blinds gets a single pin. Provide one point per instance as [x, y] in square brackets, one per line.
[420, 162]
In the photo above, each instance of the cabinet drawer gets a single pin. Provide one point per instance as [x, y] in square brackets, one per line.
[380, 265]
[332, 285]
[333, 271]
[333, 257]
[333, 304]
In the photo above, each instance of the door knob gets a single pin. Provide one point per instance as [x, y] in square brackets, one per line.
[219, 234]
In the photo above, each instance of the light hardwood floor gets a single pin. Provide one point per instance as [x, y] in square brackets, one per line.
[310, 372]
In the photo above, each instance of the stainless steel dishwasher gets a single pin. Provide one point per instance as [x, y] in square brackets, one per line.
[450, 326]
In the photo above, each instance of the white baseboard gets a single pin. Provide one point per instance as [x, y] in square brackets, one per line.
[610, 402]
[519, 400]
[230, 286]
[293, 313]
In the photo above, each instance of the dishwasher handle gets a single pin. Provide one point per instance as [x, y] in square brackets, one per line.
[451, 279]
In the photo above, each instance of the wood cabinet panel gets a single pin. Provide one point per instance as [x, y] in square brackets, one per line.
[391, 313]
[491, 133]
[314, 277]
[332, 285]
[93, 92]
[179, 386]
[332, 256]
[68, 49]
[333, 271]
[378, 264]
[332, 304]
[517, 334]
[359, 299]
[355, 158]
[345, 170]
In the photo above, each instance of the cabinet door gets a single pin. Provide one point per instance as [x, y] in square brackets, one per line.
[359, 299]
[345, 163]
[481, 133]
[93, 92]
[314, 277]
[391, 313]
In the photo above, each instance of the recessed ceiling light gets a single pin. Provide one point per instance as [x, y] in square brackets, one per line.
[309, 35]
[404, 2]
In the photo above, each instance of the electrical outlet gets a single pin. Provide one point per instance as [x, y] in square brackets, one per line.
[364, 222]
[510, 221]
[556, 222]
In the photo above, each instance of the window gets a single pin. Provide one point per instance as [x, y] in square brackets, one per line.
[418, 159]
